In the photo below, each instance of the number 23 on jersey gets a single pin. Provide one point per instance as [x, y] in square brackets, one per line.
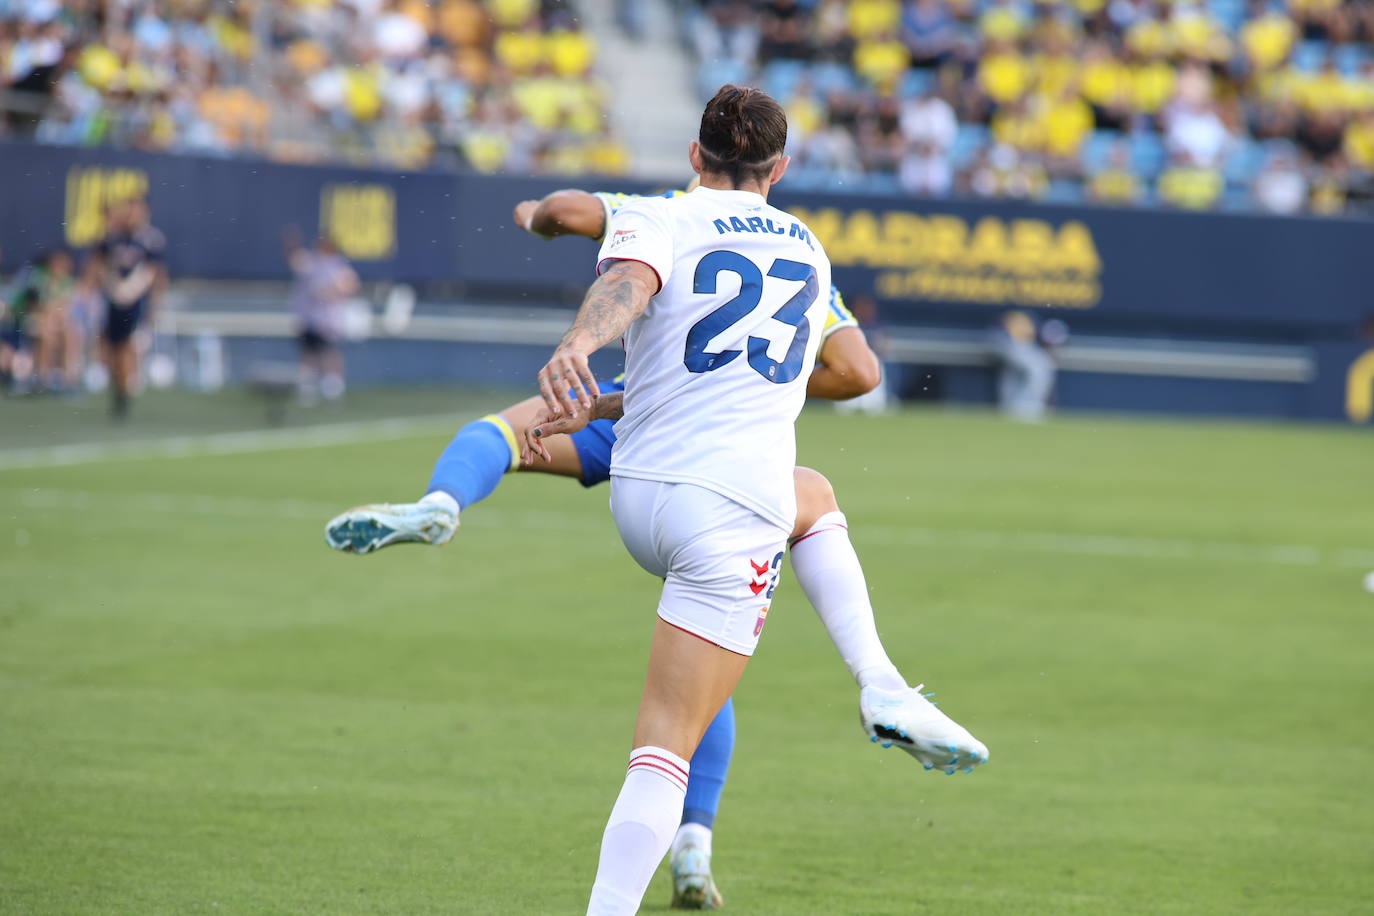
[793, 313]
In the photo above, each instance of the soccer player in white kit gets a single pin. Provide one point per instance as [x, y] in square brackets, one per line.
[718, 297]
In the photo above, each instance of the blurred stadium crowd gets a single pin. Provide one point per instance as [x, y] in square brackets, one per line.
[501, 85]
[1197, 104]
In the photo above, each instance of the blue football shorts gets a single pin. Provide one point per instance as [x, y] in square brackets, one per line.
[594, 442]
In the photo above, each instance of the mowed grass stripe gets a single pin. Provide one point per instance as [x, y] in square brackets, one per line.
[1101, 545]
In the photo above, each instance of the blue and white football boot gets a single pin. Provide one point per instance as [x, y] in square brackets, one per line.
[906, 719]
[693, 886]
[367, 528]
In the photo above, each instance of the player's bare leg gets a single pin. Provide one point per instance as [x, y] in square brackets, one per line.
[830, 574]
[121, 359]
[479, 456]
[688, 681]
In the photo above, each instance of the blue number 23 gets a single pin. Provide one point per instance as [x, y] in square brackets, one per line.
[793, 313]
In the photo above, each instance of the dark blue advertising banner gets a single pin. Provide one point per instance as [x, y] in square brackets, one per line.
[960, 261]
[224, 218]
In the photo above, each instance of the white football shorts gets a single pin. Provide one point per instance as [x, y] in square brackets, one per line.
[719, 560]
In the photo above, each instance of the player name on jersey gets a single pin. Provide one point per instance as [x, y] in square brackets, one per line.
[762, 224]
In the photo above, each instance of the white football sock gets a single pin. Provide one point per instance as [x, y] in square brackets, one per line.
[693, 834]
[440, 498]
[639, 831]
[829, 572]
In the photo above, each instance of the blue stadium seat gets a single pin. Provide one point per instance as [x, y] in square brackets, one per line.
[1063, 191]
[882, 184]
[808, 179]
[1244, 162]
[1097, 147]
[1236, 199]
[915, 82]
[1309, 55]
[1147, 153]
[780, 78]
[1349, 58]
[712, 73]
[967, 142]
[1230, 13]
[830, 76]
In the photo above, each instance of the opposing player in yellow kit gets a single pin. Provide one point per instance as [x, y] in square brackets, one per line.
[476, 461]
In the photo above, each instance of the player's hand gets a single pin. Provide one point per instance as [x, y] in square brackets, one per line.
[547, 424]
[567, 383]
[524, 215]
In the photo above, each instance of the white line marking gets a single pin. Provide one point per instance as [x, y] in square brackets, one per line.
[1082, 545]
[235, 443]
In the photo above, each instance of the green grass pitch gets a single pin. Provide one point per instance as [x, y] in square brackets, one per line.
[1159, 628]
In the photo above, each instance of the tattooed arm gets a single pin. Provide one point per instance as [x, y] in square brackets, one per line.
[615, 300]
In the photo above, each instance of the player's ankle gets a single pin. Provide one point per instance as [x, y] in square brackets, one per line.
[884, 677]
[441, 499]
[693, 834]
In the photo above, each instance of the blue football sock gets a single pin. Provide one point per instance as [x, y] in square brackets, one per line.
[708, 769]
[474, 462]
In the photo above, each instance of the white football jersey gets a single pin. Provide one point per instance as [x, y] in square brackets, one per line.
[716, 367]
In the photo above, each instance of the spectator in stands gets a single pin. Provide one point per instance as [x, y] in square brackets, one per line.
[1189, 187]
[1003, 172]
[1321, 136]
[929, 127]
[784, 31]
[881, 144]
[929, 31]
[507, 85]
[1026, 370]
[1195, 133]
[324, 282]
[1116, 182]
[1066, 122]
[1281, 186]
[394, 82]
[1358, 143]
[1327, 197]
[1267, 37]
[726, 33]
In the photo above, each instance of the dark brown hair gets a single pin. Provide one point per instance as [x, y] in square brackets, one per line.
[743, 132]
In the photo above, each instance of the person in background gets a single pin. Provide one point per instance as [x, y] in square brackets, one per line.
[1281, 187]
[18, 317]
[324, 282]
[877, 400]
[128, 269]
[61, 341]
[1026, 375]
[929, 127]
[1116, 182]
